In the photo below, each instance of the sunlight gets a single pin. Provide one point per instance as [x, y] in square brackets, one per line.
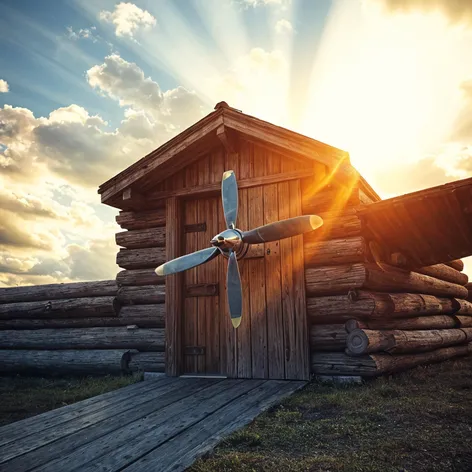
[381, 85]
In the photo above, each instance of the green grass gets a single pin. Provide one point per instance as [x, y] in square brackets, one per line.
[22, 397]
[417, 421]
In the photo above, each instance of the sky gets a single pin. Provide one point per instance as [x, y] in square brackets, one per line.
[87, 88]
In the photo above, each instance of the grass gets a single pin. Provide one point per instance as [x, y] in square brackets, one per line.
[416, 421]
[22, 397]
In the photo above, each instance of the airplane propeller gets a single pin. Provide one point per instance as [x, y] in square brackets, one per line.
[232, 241]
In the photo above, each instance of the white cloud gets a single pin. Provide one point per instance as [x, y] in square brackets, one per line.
[256, 3]
[82, 33]
[128, 19]
[4, 88]
[283, 27]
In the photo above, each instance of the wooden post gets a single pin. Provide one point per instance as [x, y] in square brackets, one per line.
[174, 284]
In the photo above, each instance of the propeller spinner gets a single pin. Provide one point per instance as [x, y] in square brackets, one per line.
[233, 243]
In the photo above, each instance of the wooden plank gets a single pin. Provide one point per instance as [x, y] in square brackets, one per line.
[301, 348]
[142, 219]
[244, 351]
[182, 450]
[144, 294]
[137, 277]
[122, 446]
[35, 450]
[150, 257]
[257, 279]
[215, 188]
[275, 322]
[190, 279]
[49, 419]
[174, 284]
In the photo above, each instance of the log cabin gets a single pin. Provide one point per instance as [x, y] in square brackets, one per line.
[298, 292]
[377, 289]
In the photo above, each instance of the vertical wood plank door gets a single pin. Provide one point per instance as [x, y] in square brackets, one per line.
[272, 340]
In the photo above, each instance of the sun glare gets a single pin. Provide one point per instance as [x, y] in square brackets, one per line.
[381, 85]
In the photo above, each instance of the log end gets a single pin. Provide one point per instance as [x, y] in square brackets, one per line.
[357, 341]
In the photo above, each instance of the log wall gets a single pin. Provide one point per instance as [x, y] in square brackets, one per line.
[82, 328]
[367, 317]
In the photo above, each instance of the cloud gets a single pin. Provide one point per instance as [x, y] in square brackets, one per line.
[463, 125]
[4, 86]
[283, 27]
[82, 33]
[455, 10]
[124, 81]
[257, 3]
[128, 19]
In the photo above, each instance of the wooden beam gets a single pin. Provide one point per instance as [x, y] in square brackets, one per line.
[216, 188]
[174, 289]
[228, 139]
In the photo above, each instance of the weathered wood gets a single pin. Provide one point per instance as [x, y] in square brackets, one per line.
[444, 272]
[300, 356]
[334, 251]
[208, 190]
[336, 363]
[142, 220]
[329, 199]
[377, 306]
[141, 238]
[342, 226]
[144, 294]
[90, 338]
[104, 361]
[71, 307]
[201, 290]
[332, 280]
[144, 316]
[138, 277]
[34, 451]
[147, 362]
[275, 338]
[330, 337]
[141, 258]
[463, 307]
[420, 322]
[456, 264]
[34, 293]
[365, 341]
[180, 452]
[174, 295]
[122, 447]
[464, 321]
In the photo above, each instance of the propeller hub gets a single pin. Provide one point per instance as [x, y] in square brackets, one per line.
[228, 239]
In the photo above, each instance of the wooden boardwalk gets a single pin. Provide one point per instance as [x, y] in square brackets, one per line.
[155, 425]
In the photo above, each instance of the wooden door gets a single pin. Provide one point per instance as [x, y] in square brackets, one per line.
[272, 340]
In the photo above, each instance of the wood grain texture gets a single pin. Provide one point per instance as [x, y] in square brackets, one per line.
[102, 288]
[151, 257]
[138, 277]
[141, 238]
[142, 219]
[174, 289]
[335, 251]
[141, 295]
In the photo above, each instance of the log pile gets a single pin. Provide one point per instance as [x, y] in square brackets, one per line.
[372, 316]
[86, 328]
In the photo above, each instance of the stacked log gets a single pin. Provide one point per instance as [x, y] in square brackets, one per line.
[85, 327]
[371, 316]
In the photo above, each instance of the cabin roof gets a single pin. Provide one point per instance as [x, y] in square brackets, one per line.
[173, 155]
[430, 226]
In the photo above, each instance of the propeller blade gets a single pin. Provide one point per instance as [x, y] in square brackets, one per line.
[188, 261]
[229, 193]
[282, 229]
[235, 296]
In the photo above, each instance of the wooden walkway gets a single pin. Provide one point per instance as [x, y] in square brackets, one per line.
[155, 425]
